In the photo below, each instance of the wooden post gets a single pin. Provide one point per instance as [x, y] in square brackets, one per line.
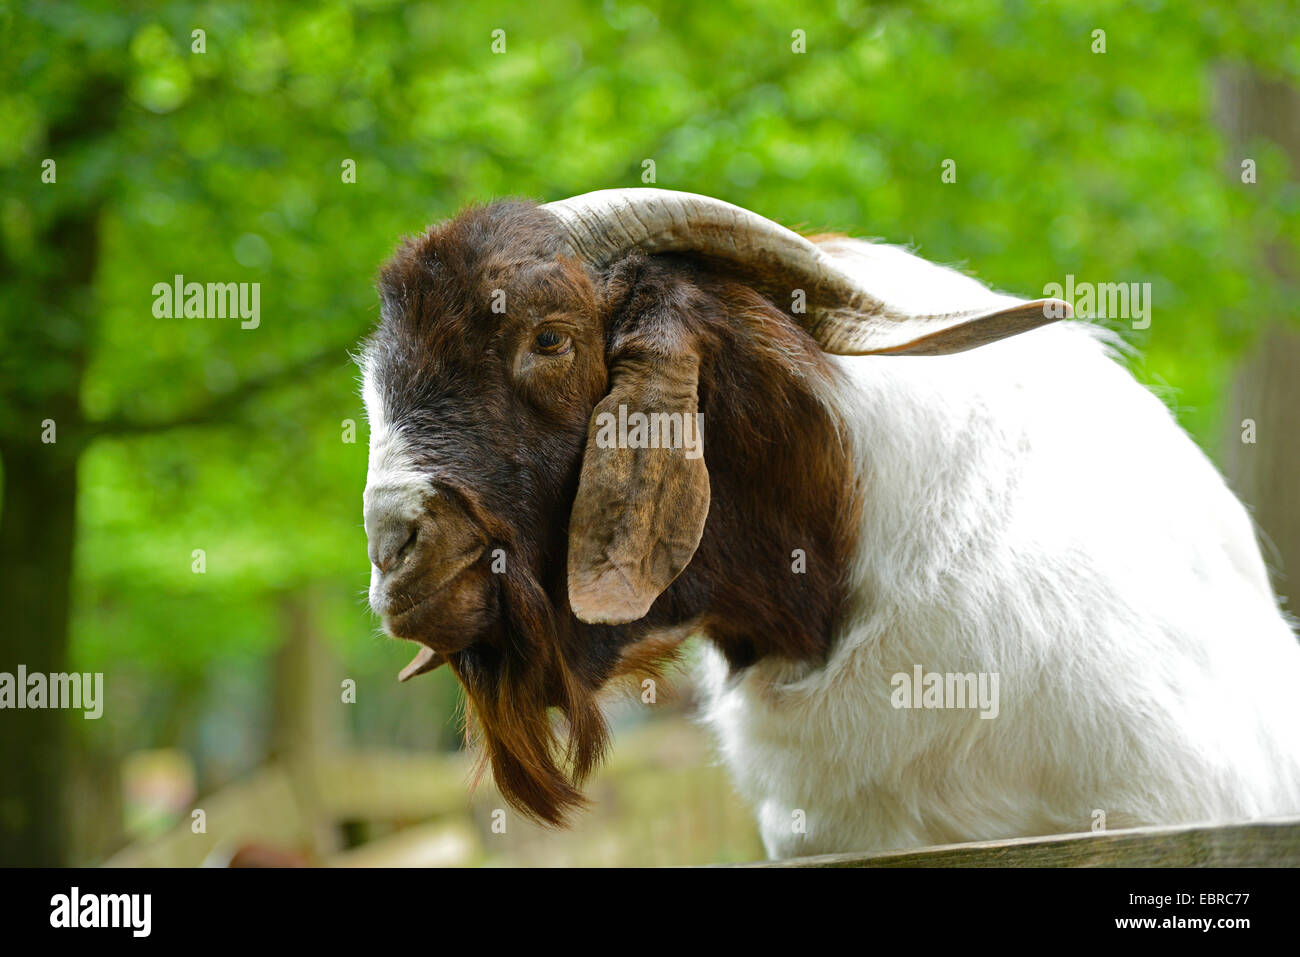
[1261, 451]
[308, 714]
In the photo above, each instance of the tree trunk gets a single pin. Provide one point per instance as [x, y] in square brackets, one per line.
[1262, 447]
[37, 529]
[1262, 454]
[52, 301]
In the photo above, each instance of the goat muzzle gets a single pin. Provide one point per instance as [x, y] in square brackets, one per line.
[428, 582]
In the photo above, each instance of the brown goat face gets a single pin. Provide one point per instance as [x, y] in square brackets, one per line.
[480, 384]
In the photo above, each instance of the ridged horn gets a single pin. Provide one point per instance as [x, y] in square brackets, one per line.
[855, 302]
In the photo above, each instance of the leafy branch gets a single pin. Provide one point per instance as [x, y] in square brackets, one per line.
[220, 408]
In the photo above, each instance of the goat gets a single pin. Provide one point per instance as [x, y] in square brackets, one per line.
[910, 484]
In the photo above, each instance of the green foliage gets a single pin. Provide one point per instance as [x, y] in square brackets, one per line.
[227, 166]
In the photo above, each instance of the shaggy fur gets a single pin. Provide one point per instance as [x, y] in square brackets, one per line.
[1024, 509]
[450, 411]
[1029, 510]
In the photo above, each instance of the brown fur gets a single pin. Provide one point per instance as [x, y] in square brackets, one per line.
[506, 432]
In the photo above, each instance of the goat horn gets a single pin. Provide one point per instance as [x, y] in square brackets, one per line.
[846, 310]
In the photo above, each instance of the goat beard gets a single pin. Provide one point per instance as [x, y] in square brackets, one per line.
[510, 686]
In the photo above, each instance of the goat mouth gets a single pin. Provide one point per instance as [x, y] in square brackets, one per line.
[428, 658]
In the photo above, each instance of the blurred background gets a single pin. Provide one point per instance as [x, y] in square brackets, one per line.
[181, 505]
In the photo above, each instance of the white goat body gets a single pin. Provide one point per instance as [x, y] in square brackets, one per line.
[1029, 511]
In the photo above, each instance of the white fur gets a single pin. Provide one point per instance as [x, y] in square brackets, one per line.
[1029, 510]
[392, 467]
[394, 481]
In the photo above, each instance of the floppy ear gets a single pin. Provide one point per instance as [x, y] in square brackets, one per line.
[639, 512]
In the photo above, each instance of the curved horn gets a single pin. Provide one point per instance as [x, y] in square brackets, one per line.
[849, 306]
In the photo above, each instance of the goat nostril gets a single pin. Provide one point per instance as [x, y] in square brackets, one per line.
[393, 541]
[408, 544]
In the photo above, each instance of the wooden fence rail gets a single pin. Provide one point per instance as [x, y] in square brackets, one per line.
[1268, 843]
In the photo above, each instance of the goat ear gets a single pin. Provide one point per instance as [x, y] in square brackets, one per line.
[639, 512]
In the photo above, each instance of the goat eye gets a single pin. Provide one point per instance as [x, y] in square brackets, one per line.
[552, 343]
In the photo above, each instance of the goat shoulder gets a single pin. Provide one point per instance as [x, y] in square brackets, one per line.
[1028, 510]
